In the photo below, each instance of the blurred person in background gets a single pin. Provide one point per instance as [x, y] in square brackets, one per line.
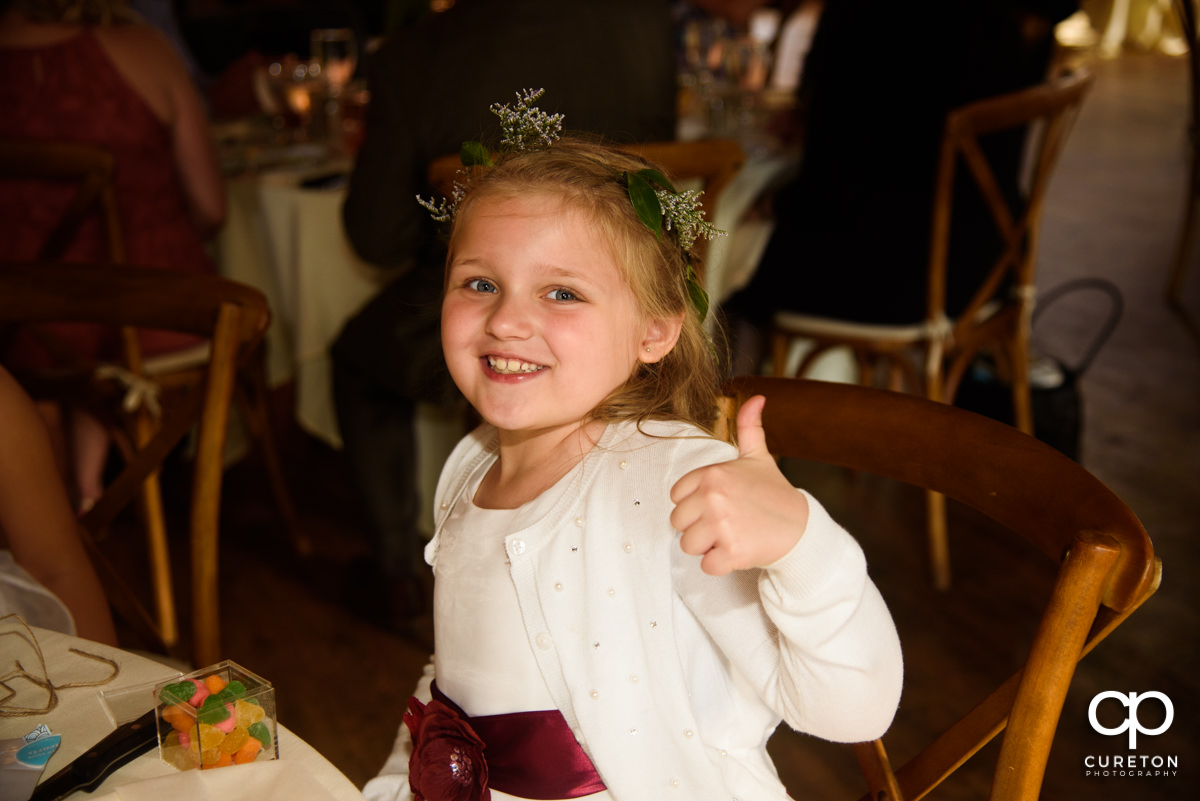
[609, 66]
[88, 71]
[45, 574]
[851, 235]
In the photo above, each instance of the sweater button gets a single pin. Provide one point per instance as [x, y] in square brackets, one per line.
[621, 465]
[675, 784]
[544, 641]
[516, 547]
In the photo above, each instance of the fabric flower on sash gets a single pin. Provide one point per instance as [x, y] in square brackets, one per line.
[447, 762]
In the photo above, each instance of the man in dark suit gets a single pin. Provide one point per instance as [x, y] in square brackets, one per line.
[607, 65]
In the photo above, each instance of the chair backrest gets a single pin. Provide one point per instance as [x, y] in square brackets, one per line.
[1048, 112]
[89, 167]
[233, 316]
[1106, 564]
[714, 162]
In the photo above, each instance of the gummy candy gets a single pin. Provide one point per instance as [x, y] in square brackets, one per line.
[215, 758]
[248, 751]
[234, 740]
[179, 716]
[210, 736]
[260, 732]
[212, 723]
[200, 694]
[177, 693]
[213, 710]
[248, 713]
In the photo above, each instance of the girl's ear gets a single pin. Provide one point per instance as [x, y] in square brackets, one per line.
[661, 335]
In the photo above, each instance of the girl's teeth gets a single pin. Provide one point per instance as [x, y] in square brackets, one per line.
[512, 365]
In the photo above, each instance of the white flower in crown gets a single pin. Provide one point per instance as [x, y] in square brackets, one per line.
[525, 126]
[683, 212]
[443, 210]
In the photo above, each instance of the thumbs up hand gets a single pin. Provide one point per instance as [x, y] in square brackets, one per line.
[743, 513]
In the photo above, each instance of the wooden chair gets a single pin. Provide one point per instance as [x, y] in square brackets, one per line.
[1106, 564]
[713, 162]
[234, 318]
[90, 168]
[944, 348]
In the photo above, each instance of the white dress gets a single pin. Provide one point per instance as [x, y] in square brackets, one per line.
[485, 664]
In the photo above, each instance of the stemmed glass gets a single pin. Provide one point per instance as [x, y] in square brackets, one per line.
[336, 51]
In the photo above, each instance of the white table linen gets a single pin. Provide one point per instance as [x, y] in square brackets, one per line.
[82, 720]
[288, 242]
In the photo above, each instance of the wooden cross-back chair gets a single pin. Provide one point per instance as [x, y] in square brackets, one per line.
[712, 162]
[993, 322]
[233, 317]
[1106, 563]
[90, 169]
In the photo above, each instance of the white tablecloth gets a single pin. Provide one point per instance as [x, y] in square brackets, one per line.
[288, 242]
[82, 720]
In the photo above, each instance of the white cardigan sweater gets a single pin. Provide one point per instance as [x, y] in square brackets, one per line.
[671, 679]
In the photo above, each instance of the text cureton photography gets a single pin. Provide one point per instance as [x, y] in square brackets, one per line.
[1131, 764]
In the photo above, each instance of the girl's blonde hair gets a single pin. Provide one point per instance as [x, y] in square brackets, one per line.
[586, 175]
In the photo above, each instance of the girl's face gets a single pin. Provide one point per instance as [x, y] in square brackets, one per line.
[538, 323]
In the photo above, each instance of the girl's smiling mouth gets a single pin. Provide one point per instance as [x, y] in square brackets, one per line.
[512, 366]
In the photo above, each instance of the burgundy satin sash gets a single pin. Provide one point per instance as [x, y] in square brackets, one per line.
[532, 754]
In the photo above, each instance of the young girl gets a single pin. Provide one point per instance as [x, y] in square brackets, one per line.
[625, 607]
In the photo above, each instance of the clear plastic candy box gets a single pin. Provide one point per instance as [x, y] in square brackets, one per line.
[220, 715]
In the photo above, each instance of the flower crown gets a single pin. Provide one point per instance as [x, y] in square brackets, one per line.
[655, 200]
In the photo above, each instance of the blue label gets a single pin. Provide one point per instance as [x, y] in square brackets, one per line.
[38, 753]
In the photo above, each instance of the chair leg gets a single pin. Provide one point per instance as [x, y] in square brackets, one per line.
[877, 768]
[935, 502]
[780, 345]
[154, 521]
[939, 541]
[1021, 390]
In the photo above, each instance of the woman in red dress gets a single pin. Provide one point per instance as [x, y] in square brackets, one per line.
[87, 71]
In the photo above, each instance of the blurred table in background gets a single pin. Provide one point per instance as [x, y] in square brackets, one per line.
[283, 234]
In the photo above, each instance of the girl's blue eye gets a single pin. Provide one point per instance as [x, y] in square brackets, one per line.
[562, 294]
[481, 285]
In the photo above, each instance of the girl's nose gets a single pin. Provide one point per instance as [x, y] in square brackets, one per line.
[510, 318]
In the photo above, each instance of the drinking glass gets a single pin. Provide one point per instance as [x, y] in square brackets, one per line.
[336, 51]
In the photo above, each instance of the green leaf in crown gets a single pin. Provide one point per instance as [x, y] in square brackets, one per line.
[474, 154]
[645, 202]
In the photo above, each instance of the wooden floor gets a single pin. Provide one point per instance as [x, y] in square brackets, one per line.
[1113, 211]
